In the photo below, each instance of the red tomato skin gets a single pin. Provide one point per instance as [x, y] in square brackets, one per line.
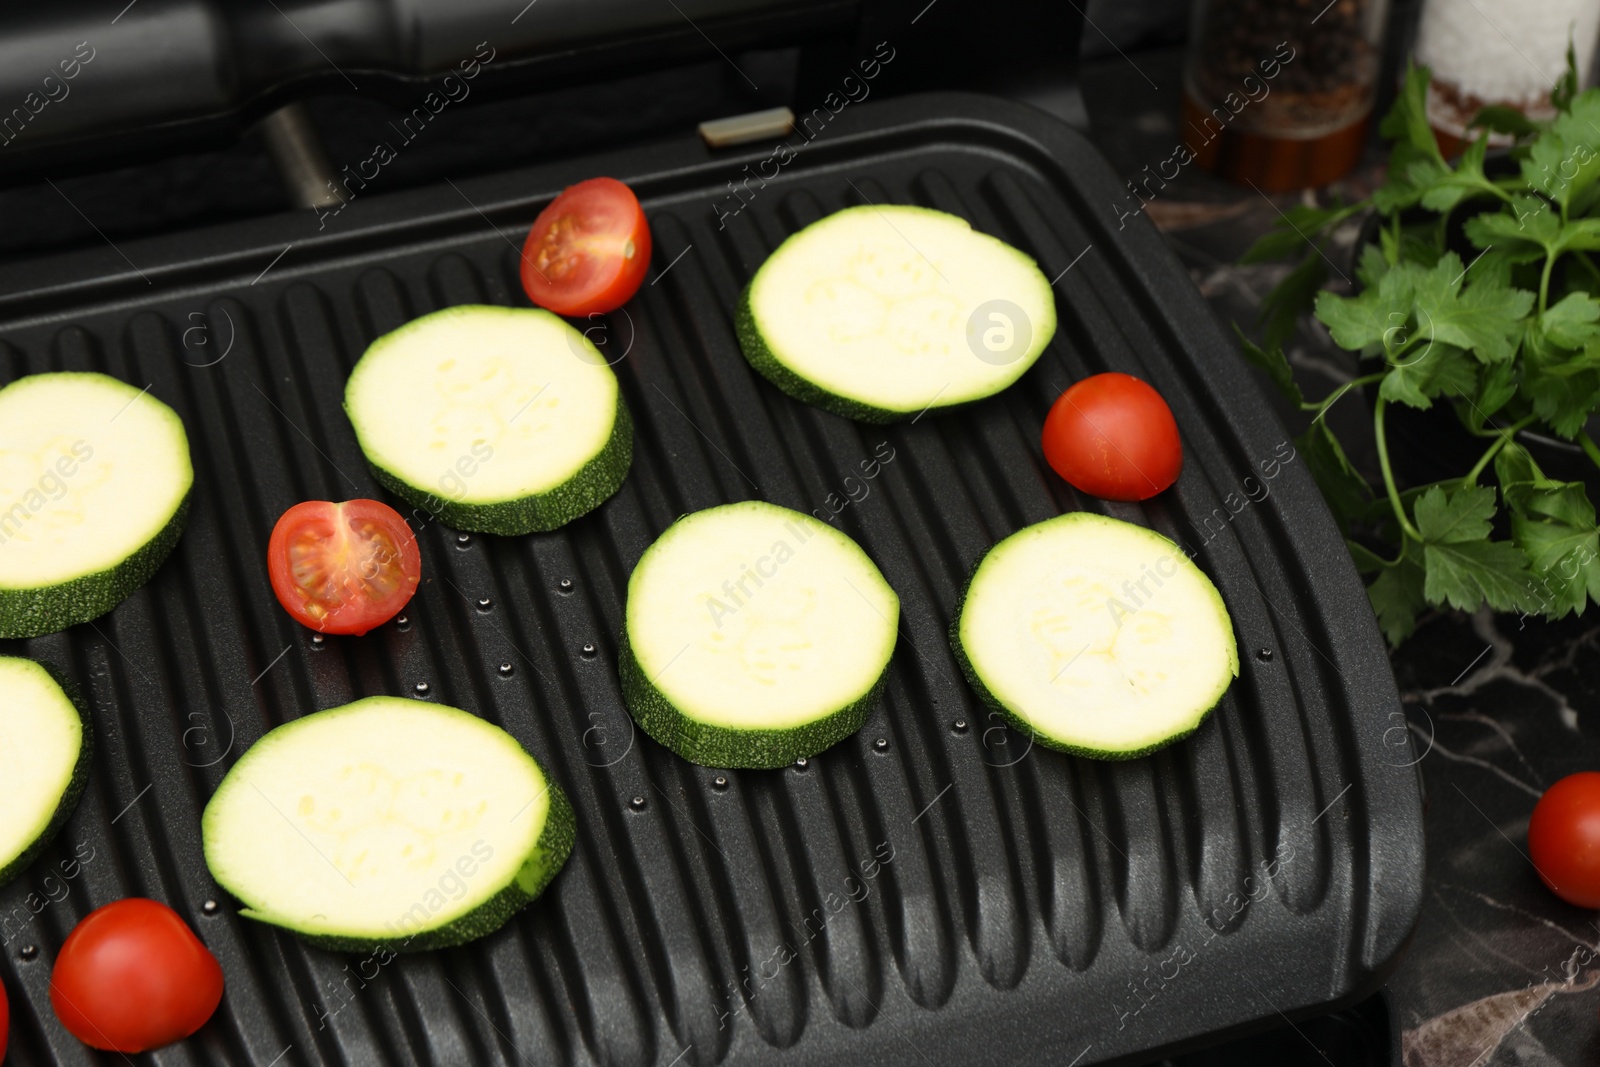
[1113, 436]
[614, 279]
[132, 976]
[355, 617]
[1564, 839]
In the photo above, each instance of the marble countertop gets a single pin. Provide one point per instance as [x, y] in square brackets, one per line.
[1500, 971]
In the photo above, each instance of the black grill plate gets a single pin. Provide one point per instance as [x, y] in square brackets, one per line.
[1037, 909]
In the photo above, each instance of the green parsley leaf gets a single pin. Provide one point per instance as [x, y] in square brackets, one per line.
[1444, 518]
[1346, 492]
[1527, 220]
[1436, 368]
[1418, 172]
[1583, 203]
[1514, 465]
[1571, 322]
[1495, 265]
[1464, 568]
[1398, 597]
[1372, 266]
[1407, 121]
[1273, 362]
[1374, 317]
[1465, 574]
[1294, 230]
[1366, 560]
[1291, 298]
[1578, 235]
[1399, 192]
[1562, 161]
[1504, 120]
[1485, 318]
[1497, 384]
[1566, 86]
[1414, 243]
[1554, 525]
[1563, 402]
[1443, 187]
[1562, 386]
[1555, 537]
[1415, 161]
[1565, 562]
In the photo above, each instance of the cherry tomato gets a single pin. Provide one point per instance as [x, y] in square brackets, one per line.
[1564, 839]
[587, 251]
[1113, 436]
[132, 976]
[343, 568]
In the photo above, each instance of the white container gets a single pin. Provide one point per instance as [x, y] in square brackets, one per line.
[1506, 52]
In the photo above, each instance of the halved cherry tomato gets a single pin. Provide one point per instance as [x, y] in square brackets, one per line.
[343, 568]
[1113, 436]
[132, 976]
[1564, 839]
[587, 251]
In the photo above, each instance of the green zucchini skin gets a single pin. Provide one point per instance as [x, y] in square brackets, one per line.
[722, 746]
[75, 787]
[760, 355]
[416, 929]
[1021, 725]
[595, 483]
[807, 392]
[549, 855]
[50, 609]
[773, 370]
[1027, 729]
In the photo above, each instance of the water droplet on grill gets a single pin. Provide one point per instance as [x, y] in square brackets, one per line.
[422, 689]
[317, 639]
[959, 726]
[801, 763]
[402, 621]
[565, 585]
[484, 603]
[589, 649]
[209, 907]
[1264, 655]
[463, 540]
[637, 803]
[29, 952]
[881, 744]
[506, 669]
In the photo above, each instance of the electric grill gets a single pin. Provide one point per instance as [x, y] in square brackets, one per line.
[1038, 909]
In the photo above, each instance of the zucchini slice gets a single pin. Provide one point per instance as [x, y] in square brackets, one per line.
[880, 313]
[496, 420]
[386, 823]
[94, 489]
[755, 635]
[44, 761]
[1095, 636]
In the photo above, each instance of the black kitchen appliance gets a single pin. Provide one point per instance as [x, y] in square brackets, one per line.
[1038, 909]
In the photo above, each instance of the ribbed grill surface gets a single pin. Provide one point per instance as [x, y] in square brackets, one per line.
[958, 897]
